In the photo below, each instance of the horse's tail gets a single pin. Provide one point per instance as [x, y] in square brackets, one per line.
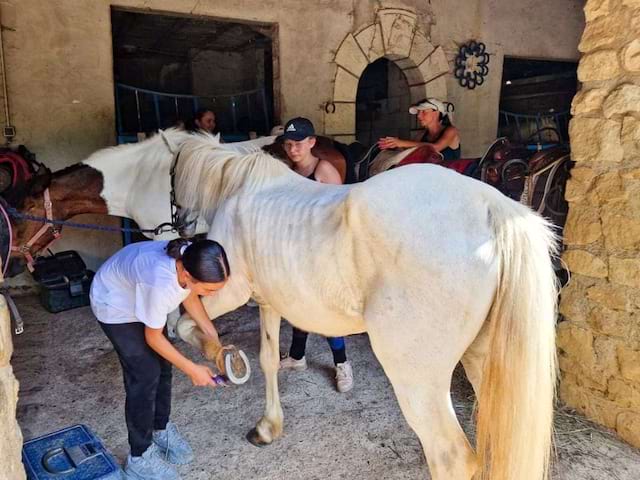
[515, 408]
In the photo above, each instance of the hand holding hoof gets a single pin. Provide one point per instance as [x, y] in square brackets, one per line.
[233, 363]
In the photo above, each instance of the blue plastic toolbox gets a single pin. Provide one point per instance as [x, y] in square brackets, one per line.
[74, 453]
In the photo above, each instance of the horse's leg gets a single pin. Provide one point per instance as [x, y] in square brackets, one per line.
[270, 425]
[419, 353]
[232, 296]
[474, 358]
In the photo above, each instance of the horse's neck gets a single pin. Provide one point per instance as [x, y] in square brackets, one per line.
[133, 173]
[77, 192]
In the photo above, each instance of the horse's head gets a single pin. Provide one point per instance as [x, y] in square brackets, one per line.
[72, 191]
[186, 222]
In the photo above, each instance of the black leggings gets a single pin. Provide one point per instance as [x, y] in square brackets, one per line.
[147, 383]
[299, 345]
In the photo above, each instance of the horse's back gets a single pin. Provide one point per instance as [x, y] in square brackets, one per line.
[424, 207]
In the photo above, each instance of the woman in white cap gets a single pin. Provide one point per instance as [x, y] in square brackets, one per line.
[433, 116]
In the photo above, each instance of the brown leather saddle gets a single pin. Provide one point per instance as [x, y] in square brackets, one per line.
[536, 179]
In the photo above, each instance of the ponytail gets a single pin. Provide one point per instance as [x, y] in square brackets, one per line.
[175, 248]
[205, 260]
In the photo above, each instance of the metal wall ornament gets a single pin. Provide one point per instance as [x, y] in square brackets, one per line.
[471, 64]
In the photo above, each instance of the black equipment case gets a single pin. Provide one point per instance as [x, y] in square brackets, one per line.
[64, 281]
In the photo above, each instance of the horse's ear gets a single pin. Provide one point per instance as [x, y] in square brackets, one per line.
[40, 182]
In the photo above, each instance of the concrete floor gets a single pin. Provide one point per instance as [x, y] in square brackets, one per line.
[69, 374]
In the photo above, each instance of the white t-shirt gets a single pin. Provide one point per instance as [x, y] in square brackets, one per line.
[137, 284]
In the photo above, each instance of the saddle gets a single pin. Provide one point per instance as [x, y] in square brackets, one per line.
[18, 169]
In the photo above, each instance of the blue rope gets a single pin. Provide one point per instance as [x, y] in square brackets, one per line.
[162, 228]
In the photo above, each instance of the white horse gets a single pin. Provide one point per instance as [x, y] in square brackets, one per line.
[437, 268]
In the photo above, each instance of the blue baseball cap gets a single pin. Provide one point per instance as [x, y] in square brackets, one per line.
[298, 129]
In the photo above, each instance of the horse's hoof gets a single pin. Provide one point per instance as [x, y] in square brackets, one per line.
[254, 438]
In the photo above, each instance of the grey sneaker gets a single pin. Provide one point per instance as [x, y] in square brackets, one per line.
[290, 363]
[173, 447]
[149, 466]
[344, 377]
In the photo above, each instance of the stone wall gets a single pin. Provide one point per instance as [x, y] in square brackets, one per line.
[11, 444]
[600, 340]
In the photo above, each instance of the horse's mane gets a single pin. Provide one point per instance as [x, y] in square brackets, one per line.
[208, 172]
[165, 141]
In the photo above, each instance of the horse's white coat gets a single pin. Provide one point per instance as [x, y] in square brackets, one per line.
[137, 181]
[436, 267]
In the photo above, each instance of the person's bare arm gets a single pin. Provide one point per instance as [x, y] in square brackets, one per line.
[447, 139]
[327, 173]
[193, 305]
[200, 375]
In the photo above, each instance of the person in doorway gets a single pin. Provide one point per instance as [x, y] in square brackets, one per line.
[298, 140]
[131, 295]
[433, 116]
[203, 119]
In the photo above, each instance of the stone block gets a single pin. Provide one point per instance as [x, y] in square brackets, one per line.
[588, 101]
[595, 140]
[631, 174]
[631, 56]
[629, 360]
[342, 121]
[434, 66]
[592, 404]
[631, 3]
[584, 263]
[631, 137]
[608, 296]
[600, 65]
[577, 343]
[418, 92]
[580, 183]
[413, 76]
[623, 100]
[573, 304]
[370, 40]
[624, 393]
[628, 427]
[603, 32]
[10, 434]
[421, 48]
[345, 87]
[616, 324]
[351, 57]
[596, 8]
[398, 27]
[583, 225]
[609, 187]
[620, 232]
[625, 271]
[6, 340]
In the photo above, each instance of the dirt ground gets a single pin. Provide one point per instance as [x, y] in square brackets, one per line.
[69, 374]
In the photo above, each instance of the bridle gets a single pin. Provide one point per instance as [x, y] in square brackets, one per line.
[25, 250]
[50, 225]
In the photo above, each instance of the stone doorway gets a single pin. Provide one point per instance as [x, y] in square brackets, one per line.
[397, 37]
[382, 103]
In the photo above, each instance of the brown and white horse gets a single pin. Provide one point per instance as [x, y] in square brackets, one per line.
[132, 181]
